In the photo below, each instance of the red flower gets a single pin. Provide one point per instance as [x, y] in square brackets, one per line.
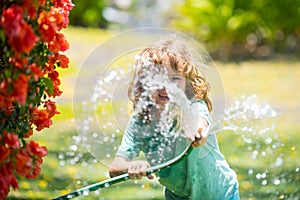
[65, 4]
[4, 152]
[40, 118]
[50, 65]
[51, 108]
[12, 140]
[18, 61]
[59, 43]
[23, 40]
[28, 134]
[20, 35]
[63, 60]
[5, 103]
[24, 163]
[20, 89]
[29, 159]
[7, 179]
[51, 22]
[11, 18]
[60, 59]
[31, 8]
[34, 149]
[54, 77]
[36, 71]
[21, 82]
[13, 182]
[46, 28]
[56, 91]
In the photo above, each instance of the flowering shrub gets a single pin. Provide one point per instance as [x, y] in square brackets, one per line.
[31, 49]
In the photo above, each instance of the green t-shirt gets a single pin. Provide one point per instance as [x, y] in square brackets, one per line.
[205, 174]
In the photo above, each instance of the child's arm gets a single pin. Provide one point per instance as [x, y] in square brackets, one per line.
[136, 169]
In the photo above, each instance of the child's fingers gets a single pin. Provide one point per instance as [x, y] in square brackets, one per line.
[143, 169]
[137, 170]
[200, 142]
[198, 134]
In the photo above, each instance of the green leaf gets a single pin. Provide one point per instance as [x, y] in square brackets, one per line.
[49, 85]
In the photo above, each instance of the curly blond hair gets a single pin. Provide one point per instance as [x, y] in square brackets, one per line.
[173, 54]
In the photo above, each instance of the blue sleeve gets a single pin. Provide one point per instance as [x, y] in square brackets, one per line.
[129, 147]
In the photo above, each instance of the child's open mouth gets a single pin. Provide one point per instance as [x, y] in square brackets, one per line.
[163, 96]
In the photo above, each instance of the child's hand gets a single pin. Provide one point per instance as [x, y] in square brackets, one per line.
[202, 133]
[201, 137]
[137, 169]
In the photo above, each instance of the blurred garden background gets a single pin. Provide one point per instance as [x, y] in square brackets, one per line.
[256, 47]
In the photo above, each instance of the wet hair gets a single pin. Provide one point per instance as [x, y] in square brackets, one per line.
[175, 55]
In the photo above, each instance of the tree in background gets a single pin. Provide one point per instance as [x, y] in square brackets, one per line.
[238, 28]
[31, 49]
[89, 13]
[229, 29]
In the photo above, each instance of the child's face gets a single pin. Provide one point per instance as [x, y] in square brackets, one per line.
[160, 95]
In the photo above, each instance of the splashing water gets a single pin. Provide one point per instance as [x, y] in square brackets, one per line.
[251, 122]
[101, 119]
[112, 118]
[266, 173]
[254, 125]
[262, 149]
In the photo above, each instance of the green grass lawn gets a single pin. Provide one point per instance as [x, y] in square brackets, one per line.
[273, 174]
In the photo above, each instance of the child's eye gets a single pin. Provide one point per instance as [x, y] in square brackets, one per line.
[176, 78]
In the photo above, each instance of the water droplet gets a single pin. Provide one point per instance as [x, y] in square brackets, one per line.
[258, 176]
[278, 162]
[268, 140]
[250, 171]
[276, 182]
[264, 182]
[106, 185]
[61, 156]
[297, 169]
[254, 155]
[95, 135]
[85, 193]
